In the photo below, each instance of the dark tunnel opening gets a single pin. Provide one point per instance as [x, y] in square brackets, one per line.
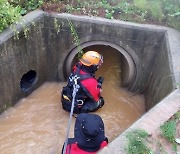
[127, 67]
[28, 80]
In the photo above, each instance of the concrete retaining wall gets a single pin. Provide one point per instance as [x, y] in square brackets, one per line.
[150, 122]
[161, 78]
[46, 49]
[18, 56]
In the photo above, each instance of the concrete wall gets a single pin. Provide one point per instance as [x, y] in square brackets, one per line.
[150, 122]
[161, 79]
[147, 47]
[140, 43]
[20, 55]
[46, 49]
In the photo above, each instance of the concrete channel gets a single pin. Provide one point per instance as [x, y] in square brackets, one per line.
[150, 60]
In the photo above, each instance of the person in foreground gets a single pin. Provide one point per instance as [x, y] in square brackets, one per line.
[89, 135]
[88, 96]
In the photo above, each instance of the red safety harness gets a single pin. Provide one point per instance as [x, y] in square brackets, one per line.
[88, 83]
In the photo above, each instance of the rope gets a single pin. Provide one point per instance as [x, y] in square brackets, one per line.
[75, 89]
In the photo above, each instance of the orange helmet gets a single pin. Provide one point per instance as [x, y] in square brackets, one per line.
[91, 58]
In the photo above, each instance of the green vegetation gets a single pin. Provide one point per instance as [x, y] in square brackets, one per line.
[8, 14]
[177, 116]
[162, 12]
[12, 11]
[27, 5]
[168, 130]
[76, 38]
[137, 142]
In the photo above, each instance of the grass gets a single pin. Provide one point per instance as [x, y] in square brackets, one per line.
[177, 116]
[168, 130]
[162, 12]
[155, 11]
[137, 142]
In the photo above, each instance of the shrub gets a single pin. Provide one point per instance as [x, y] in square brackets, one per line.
[8, 14]
[27, 6]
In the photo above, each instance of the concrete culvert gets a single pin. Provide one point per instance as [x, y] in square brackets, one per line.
[128, 67]
[146, 56]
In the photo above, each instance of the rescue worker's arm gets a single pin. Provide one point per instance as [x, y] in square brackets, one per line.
[91, 86]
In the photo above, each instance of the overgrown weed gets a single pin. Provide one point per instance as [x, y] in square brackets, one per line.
[168, 130]
[162, 12]
[137, 142]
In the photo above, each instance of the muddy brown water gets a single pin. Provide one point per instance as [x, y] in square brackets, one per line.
[37, 124]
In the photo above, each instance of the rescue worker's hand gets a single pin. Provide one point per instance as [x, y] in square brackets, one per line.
[100, 81]
[101, 102]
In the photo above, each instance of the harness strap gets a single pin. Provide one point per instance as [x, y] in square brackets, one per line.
[82, 76]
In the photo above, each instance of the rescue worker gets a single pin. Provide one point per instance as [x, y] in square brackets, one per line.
[88, 97]
[89, 135]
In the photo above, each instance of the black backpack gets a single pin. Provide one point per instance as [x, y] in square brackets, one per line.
[67, 91]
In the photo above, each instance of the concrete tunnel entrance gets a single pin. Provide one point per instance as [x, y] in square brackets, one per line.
[128, 67]
[118, 69]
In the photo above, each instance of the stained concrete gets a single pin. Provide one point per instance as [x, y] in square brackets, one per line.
[150, 122]
[154, 51]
